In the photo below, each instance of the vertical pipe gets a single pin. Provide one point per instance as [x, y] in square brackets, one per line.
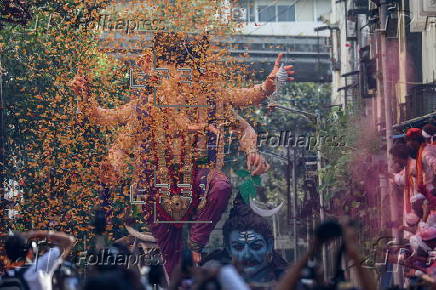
[387, 97]
[288, 190]
[2, 147]
[274, 220]
[294, 203]
[308, 231]
[321, 193]
[288, 184]
[346, 79]
[402, 62]
[403, 83]
[335, 38]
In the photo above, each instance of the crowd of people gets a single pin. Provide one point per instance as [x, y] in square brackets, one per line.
[43, 260]
[415, 161]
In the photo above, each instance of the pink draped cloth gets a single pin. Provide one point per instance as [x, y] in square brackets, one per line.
[170, 238]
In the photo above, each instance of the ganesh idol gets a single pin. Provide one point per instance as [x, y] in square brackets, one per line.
[174, 131]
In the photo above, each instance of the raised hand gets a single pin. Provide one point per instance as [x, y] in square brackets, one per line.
[256, 163]
[269, 85]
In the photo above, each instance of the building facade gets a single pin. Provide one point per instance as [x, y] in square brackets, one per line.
[399, 34]
[384, 66]
[287, 26]
[268, 28]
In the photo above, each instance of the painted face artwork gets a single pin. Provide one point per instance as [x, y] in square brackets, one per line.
[251, 250]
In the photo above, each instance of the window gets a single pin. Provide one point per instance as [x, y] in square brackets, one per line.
[264, 12]
[285, 12]
[251, 11]
[267, 13]
[249, 5]
[274, 13]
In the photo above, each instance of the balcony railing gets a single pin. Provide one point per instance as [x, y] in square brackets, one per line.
[421, 101]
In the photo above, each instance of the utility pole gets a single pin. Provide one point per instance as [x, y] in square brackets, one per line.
[294, 202]
[320, 191]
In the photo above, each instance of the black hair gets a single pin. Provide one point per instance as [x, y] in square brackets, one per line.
[430, 129]
[415, 137]
[400, 150]
[100, 221]
[209, 284]
[243, 218]
[328, 230]
[156, 276]
[122, 279]
[206, 279]
[16, 247]
[176, 48]
[108, 257]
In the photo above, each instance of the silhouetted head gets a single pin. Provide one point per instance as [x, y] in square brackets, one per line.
[400, 154]
[113, 280]
[414, 140]
[429, 132]
[16, 247]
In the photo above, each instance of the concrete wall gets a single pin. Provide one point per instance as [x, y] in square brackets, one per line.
[304, 11]
[307, 13]
[284, 28]
[429, 54]
[339, 50]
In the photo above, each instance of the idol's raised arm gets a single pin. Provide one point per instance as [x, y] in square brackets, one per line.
[97, 114]
[256, 94]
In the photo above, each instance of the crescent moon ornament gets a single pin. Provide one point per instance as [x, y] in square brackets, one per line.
[256, 207]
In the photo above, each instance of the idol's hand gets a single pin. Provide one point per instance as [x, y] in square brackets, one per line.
[270, 84]
[256, 163]
[80, 86]
[202, 127]
[196, 257]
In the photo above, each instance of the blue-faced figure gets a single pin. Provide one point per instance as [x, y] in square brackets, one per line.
[249, 241]
[252, 250]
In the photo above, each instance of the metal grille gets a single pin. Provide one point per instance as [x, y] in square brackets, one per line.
[421, 101]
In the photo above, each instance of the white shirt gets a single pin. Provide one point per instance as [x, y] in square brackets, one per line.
[39, 275]
[230, 279]
[429, 165]
[400, 178]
